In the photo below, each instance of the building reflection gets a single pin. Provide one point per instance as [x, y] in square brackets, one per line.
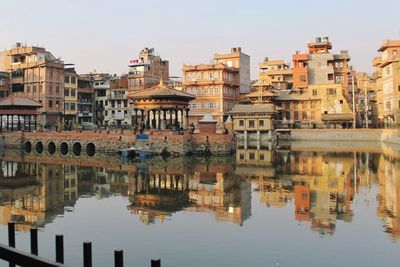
[320, 186]
[194, 185]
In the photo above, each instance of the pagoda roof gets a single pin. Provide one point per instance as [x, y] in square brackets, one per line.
[14, 101]
[160, 91]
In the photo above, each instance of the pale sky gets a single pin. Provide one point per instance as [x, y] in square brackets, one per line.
[104, 35]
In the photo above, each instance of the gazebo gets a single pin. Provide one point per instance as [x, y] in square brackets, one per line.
[155, 103]
[19, 107]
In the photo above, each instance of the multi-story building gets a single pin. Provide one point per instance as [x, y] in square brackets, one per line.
[389, 68]
[117, 109]
[100, 83]
[239, 60]
[147, 70]
[276, 73]
[320, 66]
[377, 99]
[216, 87]
[4, 84]
[36, 73]
[70, 96]
[85, 100]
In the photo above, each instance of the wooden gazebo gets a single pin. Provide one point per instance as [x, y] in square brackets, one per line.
[21, 108]
[155, 103]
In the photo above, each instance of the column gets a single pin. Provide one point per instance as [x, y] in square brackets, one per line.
[136, 122]
[245, 139]
[170, 118]
[181, 110]
[148, 119]
[153, 122]
[187, 117]
[159, 119]
[176, 118]
[258, 140]
[164, 122]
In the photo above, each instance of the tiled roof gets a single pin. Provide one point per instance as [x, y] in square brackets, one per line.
[293, 94]
[254, 108]
[19, 101]
[160, 91]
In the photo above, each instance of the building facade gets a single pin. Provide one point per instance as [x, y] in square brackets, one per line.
[239, 60]
[276, 73]
[85, 100]
[36, 73]
[4, 84]
[387, 70]
[147, 70]
[216, 88]
[70, 96]
[117, 109]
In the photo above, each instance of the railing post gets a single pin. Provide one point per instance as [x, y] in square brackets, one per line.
[156, 263]
[11, 234]
[34, 241]
[11, 238]
[87, 254]
[60, 248]
[119, 258]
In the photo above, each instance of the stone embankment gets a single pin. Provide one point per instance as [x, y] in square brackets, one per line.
[90, 142]
[369, 135]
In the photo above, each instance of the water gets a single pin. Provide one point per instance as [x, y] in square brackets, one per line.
[300, 204]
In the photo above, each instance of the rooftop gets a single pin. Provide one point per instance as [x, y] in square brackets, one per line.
[253, 108]
[160, 91]
[18, 101]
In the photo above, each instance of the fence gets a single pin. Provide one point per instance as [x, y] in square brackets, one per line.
[17, 257]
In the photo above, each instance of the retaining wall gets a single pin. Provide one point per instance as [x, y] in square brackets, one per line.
[371, 135]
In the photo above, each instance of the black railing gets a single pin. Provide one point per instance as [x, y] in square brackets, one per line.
[17, 257]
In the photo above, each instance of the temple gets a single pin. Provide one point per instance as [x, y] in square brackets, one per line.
[161, 107]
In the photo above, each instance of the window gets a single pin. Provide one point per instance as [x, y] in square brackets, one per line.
[66, 79]
[251, 124]
[73, 79]
[72, 106]
[251, 156]
[287, 115]
[331, 91]
[50, 103]
[330, 76]
[262, 156]
[66, 92]
[296, 115]
[73, 92]
[241, 123]
[261, 123]
[304, 115]
[303, 78]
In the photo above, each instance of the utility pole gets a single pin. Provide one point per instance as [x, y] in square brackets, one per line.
[366, 101]
[353, 100]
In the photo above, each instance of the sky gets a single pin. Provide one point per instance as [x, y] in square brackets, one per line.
[105, 35]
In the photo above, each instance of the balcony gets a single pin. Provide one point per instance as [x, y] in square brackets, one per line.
[85, 102]
[116, 97]
[85, 114]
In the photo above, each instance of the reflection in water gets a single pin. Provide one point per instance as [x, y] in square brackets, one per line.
[319, 185]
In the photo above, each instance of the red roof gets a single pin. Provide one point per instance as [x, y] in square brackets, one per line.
[14, 101]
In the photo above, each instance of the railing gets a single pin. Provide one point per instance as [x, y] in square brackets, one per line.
[17, 257]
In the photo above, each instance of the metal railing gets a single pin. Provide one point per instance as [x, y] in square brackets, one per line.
[21, 258]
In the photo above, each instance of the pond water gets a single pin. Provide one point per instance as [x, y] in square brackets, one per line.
[299, 204]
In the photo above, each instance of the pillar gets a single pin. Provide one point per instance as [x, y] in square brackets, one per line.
[12, 123]
[176, 118]
[170, 118]
[258, 140]
[245, 139]
[187, 117]
[164, 122]
[181, 110]
[159, 119]
[148, 120]
[136, 122]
